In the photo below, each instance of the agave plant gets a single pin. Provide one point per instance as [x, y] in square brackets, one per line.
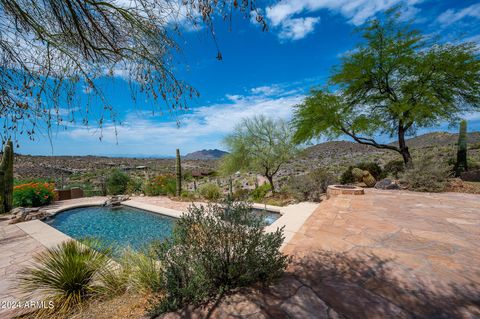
[67, 274]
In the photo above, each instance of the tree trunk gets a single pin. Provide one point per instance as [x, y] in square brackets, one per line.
[407, 158]
[270, 180]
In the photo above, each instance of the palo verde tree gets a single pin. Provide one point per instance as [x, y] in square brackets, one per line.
[261, 145]
[52, 50]
[394, 83]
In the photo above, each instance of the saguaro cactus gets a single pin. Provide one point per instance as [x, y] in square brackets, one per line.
[6, 182]
[462, 165]
[9, 179]
[2, 192]
[179, 174]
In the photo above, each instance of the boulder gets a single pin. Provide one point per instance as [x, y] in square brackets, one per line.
[22, 214]
[116, 200]
[386, 184]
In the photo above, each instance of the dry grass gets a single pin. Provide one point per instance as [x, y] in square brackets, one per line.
[127, 306]
[458, 186]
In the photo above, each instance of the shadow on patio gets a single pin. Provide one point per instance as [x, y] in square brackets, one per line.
[334, 285]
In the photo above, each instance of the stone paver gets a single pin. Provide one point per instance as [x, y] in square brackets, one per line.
[387, 254]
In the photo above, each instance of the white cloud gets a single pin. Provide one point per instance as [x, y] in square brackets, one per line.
[202, 127]
[282, 15]
[451, 16]
[298, 28]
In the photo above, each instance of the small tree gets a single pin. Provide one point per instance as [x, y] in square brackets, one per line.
[261, 145]
[394, 83]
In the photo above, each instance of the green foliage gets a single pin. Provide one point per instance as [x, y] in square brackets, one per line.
[428, 175]
[33, 194]
[461, 165]
[161, 185]
[260, 145]
[117, 182]
[394, 82]
[373, 168]
[134, 185]
[259, 193]
[347, 176]
[394, 168]
[241, 194]
[215, 249]
[210, 191]
[67, 274]
[311, 186]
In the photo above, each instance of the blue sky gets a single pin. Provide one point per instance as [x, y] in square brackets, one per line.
[261, 73]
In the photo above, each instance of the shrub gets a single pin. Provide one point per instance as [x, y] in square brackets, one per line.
[259, 193]
[33, 194]
[347, 176]
[427, 176]
[117, 182]
[215, 249]
[309, 187]
[134, 185]
[66, 274]
[372, 167]
[161, 185]
[241, 194]
[210, 191]
[394, 168]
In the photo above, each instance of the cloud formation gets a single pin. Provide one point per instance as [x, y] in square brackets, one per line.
[284, 14]
[202, 127]
[451, 16]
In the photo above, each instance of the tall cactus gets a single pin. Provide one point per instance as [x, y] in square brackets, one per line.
[2, 192]
[461, 165]
[179, 174]
[9, 179]
[6, 187]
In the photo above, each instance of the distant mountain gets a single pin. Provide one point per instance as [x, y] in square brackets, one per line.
[205, 155]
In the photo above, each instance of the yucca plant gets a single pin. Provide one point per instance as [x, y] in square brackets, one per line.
[67, 274]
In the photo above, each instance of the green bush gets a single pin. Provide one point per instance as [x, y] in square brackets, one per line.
[311, 186]
[394, 168]
[372, 167]
[67, 274]
[259, 193]
[210, 191]
[135, 185]
[427, 176]
[33, 194]
[213, 250]
[241, 194]
[117, 182]
[161, 185]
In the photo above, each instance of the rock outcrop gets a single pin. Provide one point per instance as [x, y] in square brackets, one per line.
[23, 214]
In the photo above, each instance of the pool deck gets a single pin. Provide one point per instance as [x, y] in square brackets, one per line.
[19, 242]
[385, 254]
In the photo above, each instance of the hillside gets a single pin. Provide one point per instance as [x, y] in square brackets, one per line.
[205, 155]
[337, 155]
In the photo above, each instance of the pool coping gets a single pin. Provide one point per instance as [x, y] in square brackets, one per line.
[291, 220]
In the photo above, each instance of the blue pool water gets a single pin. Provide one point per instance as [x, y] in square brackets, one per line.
[123, 226]
[120, 227]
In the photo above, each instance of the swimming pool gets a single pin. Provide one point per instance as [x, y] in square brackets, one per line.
[123, 226]
[120, 227]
